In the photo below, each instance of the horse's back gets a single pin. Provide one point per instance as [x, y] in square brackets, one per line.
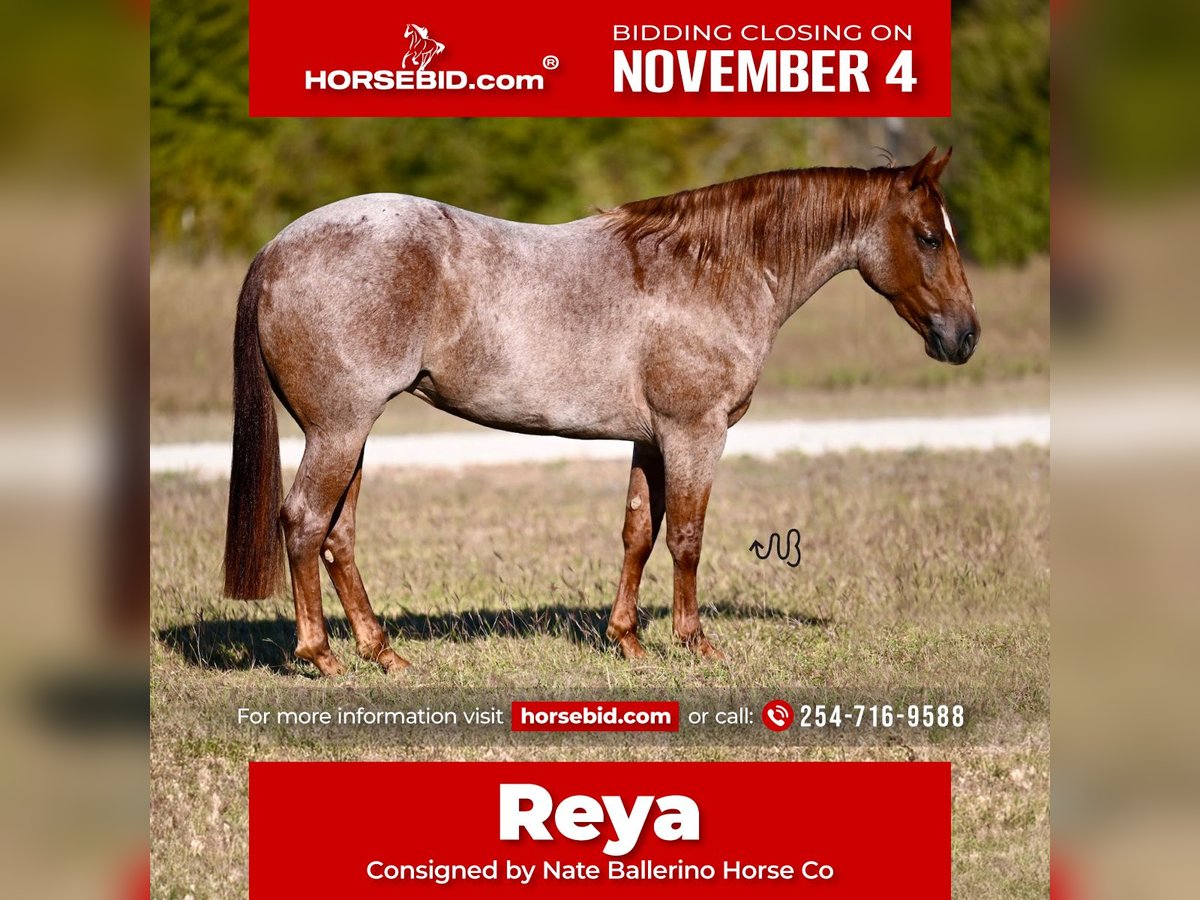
[394, 225]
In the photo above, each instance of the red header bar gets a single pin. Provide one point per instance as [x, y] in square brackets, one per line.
[622, 58]
[841, 831]
[594, 715]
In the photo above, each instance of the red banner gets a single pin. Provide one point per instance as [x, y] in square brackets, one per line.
[654, 830]
[623, 58]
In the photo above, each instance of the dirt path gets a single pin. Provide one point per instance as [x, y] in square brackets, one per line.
[759, 439]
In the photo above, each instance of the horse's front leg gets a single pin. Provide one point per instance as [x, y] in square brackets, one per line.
[644, 506]
[690, 455]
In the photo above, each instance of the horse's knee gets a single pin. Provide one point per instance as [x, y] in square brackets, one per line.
[684, 544]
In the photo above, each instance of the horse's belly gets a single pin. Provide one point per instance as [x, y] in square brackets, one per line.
[533, 407]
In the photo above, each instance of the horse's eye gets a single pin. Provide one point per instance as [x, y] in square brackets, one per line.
[929, 240]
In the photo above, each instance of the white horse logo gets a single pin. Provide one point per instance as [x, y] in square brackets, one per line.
[421, 47]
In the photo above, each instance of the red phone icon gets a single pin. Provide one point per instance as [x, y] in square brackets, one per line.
[778, 715]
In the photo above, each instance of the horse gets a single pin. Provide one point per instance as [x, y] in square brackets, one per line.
[649, 323]
[421, 48]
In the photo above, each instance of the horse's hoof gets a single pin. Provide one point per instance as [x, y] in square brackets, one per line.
[626, 639]
[631, 647]
[329, 665]
[393, 663]
[703, 648]
[321, 657]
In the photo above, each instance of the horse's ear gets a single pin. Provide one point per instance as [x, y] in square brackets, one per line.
[934, 171]
[918, 173]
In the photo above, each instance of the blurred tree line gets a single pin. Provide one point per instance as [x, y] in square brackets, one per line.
[221, 180]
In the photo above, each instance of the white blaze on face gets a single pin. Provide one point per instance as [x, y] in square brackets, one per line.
[950, 231]
[946, 219]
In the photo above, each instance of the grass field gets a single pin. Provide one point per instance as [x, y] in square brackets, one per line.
[845, 353]
[918, 569]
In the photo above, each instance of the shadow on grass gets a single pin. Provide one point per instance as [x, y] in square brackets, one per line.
[244, 644]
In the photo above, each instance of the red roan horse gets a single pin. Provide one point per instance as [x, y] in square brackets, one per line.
[647, 323]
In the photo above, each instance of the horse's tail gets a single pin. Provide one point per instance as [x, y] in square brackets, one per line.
[253, 545]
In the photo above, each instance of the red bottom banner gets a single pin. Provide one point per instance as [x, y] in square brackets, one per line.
[536, 830]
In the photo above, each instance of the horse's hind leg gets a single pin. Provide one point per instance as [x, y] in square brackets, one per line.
[325, 473]
[644, 507]
[337, 551]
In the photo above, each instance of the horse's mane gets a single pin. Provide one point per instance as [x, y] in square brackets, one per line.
[762, 220]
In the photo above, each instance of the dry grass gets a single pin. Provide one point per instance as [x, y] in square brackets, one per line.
[845, 353]
[919, 570]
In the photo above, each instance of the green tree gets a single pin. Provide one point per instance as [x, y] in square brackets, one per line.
[1001, 128]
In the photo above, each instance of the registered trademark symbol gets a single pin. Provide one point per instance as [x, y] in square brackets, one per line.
[550, 62]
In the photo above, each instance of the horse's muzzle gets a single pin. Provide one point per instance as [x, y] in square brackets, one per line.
[954, 348]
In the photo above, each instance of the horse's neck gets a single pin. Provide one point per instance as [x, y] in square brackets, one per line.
[792, 287]
[808, 271]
